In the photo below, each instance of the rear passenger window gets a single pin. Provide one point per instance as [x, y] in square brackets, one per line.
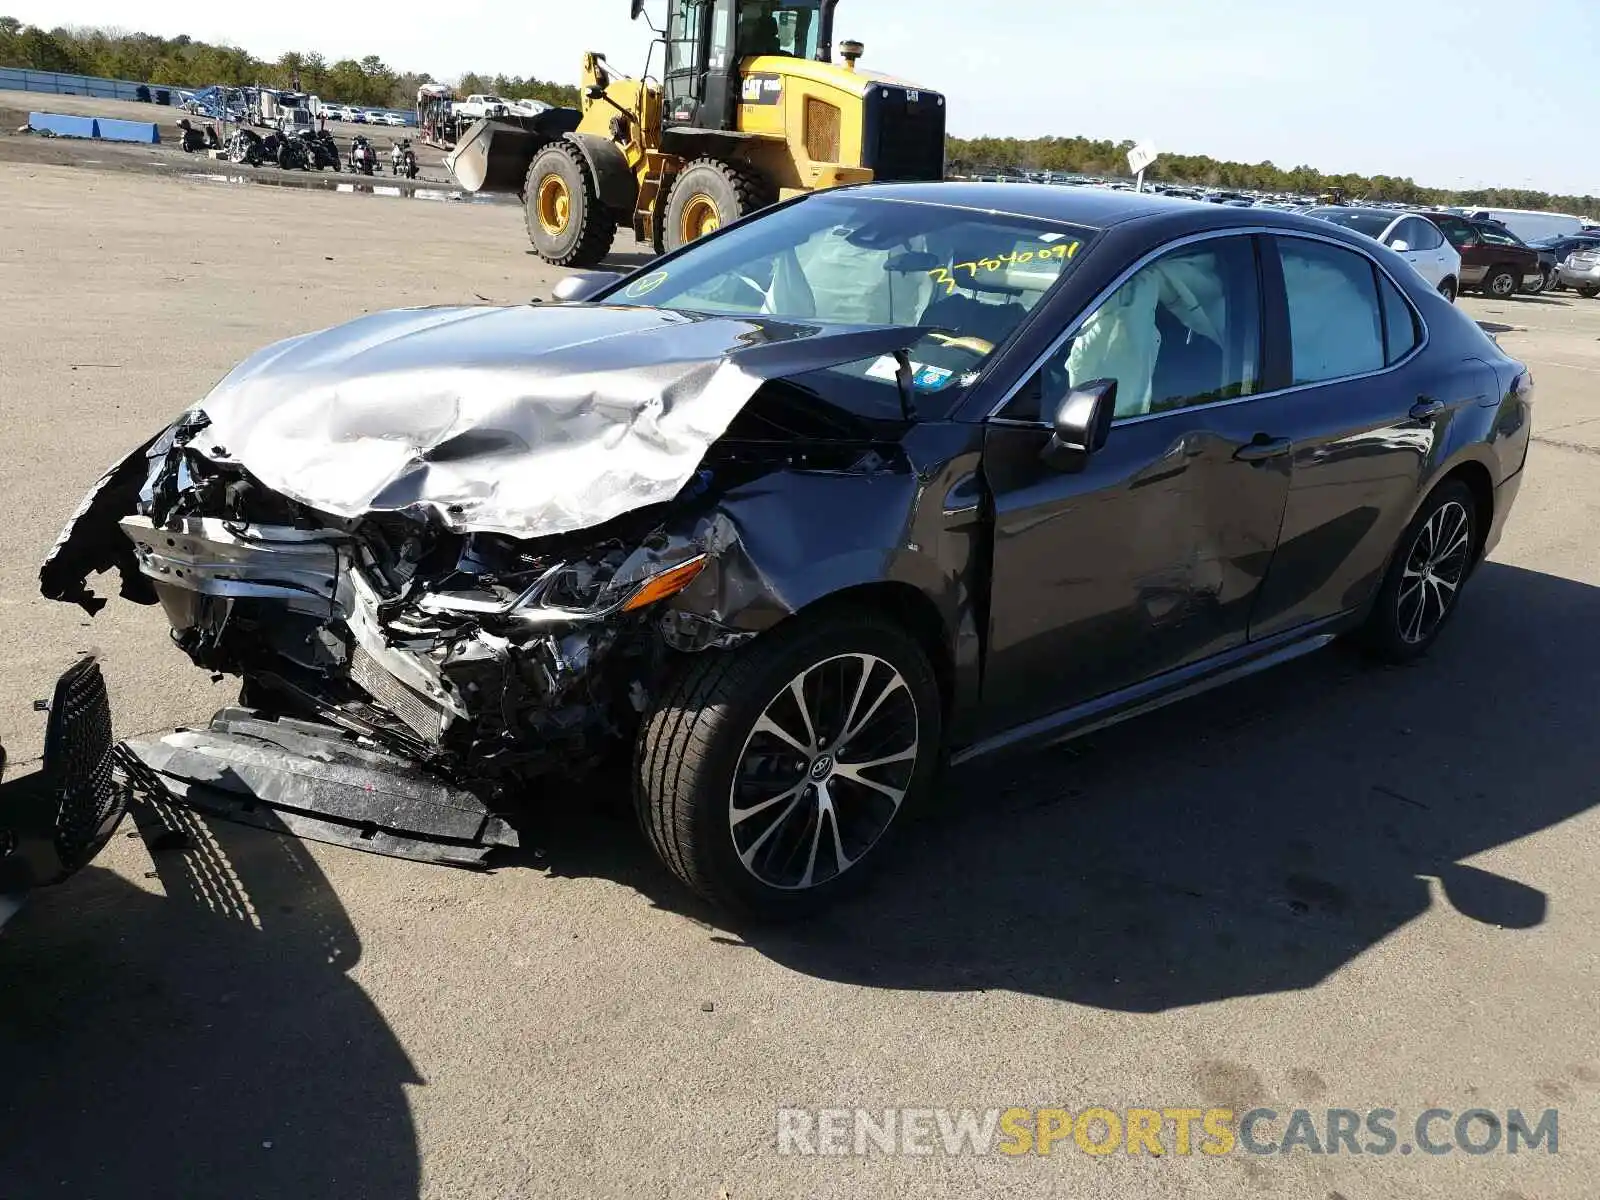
[1399, 322]
[1423, 235]
[1335, 324]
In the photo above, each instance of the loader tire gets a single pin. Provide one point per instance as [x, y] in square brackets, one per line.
[567, 224]
[711, 193]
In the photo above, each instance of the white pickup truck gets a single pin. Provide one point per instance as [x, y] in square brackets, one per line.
[476, 107]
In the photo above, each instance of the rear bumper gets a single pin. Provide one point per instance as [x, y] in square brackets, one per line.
[1504, 497]
[1581, 276]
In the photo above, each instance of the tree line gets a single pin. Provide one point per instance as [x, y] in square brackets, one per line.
[1087, 156]
[184, 62]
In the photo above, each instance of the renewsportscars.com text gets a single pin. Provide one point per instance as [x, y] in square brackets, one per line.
[1159, 1132]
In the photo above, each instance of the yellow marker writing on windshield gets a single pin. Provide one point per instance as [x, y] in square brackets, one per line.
[1016, 258]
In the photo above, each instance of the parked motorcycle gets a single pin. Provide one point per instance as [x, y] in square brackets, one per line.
[192, 140]
[363, 159]
[402, 159]
[244, 146]
[320, 151]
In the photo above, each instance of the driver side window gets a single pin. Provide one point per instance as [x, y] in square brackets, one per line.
[1184, 330]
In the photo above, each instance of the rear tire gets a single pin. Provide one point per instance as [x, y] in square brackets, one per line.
[1500, 283]
[1421, 590]
[1588, 292]
[728, 796]
[710, 193]
[567, 224]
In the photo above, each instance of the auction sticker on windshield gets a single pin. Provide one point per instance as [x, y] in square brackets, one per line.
[645, 284]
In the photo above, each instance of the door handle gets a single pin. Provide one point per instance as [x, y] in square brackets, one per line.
[1426, 409]
[1262, 448]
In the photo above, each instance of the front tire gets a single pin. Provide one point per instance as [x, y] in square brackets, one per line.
[566, 222]
[711, 193]
[1421, 590]
[1447, 289]
[769, 778]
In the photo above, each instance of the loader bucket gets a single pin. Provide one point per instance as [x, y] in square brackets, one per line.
[493, 154]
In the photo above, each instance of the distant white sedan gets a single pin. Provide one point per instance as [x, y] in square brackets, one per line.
[1414, 238]
[388, 119]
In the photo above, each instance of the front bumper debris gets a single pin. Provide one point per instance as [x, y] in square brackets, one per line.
[54, 821]
[318, 782]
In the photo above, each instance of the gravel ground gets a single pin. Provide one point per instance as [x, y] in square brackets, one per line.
[1330, 886]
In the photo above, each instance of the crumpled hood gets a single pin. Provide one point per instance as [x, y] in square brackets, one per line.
[525, 421]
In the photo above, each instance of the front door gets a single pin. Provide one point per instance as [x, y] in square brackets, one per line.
[1152, 555]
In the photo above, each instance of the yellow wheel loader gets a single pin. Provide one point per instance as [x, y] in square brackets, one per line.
[750, 109]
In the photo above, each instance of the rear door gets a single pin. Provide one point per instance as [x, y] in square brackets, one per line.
[1150, 556]
[1423, 246]
[1363, 408]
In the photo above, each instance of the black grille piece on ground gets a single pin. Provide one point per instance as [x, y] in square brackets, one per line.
[78, 764]
[54, 821]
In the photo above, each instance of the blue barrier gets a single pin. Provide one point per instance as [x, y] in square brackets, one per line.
[64, 126]
[129, 131]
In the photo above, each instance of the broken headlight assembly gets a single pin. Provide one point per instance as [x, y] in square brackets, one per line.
[604, 583]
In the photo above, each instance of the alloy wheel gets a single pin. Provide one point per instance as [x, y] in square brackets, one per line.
[824, 771]
[1435, 567]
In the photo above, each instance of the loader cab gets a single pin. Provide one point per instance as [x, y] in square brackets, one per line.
[707, 39]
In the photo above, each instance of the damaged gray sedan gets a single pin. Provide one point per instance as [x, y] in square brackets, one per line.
[790, 518]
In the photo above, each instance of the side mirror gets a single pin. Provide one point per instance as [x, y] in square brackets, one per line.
[580, 285]
[1399, 245]
[636, 11]
[594, 92]
[1080, 424]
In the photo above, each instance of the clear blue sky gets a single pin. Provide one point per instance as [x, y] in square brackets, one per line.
[1451, 92]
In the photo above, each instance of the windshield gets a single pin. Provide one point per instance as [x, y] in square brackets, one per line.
[1361, 220]
[792, 27]
[851, 259]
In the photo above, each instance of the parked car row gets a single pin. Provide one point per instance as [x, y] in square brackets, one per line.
[361, 116]
[1458, 253]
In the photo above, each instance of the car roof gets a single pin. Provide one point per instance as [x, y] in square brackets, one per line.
[1393, 214]
[1095, 208]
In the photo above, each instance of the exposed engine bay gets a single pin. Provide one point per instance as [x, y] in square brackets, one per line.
[389, 641]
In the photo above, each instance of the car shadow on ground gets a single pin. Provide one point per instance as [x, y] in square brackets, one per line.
[1250, 841]
[204, 1043]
